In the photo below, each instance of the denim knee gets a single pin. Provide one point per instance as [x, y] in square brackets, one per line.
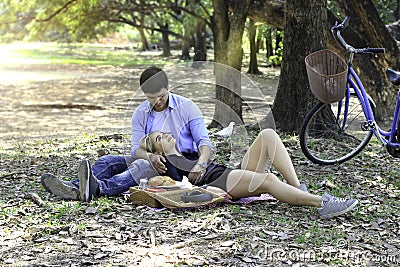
[111, 159]
[142, 163]
[142, 168]
[109, 165]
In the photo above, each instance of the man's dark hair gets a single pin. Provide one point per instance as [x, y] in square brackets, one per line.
[153, 79]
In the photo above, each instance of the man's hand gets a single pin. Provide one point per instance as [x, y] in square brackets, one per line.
[196, 173]
[157, 161]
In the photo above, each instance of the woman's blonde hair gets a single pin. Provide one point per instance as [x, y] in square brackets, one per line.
[147, 144]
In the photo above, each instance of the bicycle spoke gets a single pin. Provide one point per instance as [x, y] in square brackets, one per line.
[325, 140]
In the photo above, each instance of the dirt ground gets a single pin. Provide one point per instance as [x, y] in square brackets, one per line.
[41, 100]
[55, 115]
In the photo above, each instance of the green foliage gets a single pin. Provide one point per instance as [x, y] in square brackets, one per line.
[386, 10]
[319, 236]
[189, 24]
[103, 204]
[63, 210]
[83, 20]
[6, 212]
[48, 21]
[332, 6]
[276, 59]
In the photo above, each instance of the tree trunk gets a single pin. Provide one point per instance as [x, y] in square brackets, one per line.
[253, 66]
[200, 42]
[304, 33]
[369, 30]
[186, 42]
[185, 55]
[165, 41]
[268, 42]
[259, 41]
[145, 44]
[228, 27]
[278, 40]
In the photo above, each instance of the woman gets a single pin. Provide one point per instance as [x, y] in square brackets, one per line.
[251, 179]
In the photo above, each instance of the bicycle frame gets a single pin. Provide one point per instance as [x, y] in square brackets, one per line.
[327, 140]
[385, 137]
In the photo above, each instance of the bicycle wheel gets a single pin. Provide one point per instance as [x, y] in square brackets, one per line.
[323, 138]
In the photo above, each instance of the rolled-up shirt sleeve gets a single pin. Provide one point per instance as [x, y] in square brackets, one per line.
[197, 126]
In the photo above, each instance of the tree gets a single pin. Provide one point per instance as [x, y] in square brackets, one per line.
[367, 30]
[253, 66]
[165, 40]
[388, 10]
[228, 27]
[293, 98]
[80, 20]
[53, 20]
[200, 42]
[268, 42]
[85, 20]
[145, 44]
[195, 21]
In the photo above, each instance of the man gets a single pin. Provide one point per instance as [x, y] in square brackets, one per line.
[162, 111]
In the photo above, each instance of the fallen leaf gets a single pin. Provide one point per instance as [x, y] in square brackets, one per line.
[100, 256]
[91, 210]
[247, 259]
[228, 243]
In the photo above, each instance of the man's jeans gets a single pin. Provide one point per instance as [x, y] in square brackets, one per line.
[117, 173]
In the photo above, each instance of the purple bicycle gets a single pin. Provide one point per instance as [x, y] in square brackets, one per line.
[333, 133]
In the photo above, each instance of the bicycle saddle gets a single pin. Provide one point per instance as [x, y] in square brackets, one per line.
[196, 196]
[394, 76]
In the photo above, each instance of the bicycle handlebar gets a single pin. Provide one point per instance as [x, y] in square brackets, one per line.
[342, 25]
[339, 27]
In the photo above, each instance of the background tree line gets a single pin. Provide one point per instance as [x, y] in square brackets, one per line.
[301, 26]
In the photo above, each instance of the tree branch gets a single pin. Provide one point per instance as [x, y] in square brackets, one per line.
[154, 8]
[133, 24]
[56, 12]
[195, 15]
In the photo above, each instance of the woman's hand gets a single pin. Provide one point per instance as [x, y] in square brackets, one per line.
[196, 173]
[156, 161]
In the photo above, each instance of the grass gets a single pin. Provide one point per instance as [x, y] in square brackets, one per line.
[104, 204]
[65, 153]
[62, 155]
[318, 237]
[84, 54]
[6, 212]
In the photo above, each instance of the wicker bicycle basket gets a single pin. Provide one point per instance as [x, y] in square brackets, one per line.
[327, 75]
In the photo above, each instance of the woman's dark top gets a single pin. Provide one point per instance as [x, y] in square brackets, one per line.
[179, 166]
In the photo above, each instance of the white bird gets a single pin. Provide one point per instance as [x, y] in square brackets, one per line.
[227, 131]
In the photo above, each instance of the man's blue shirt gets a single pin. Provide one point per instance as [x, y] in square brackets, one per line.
[184, 118]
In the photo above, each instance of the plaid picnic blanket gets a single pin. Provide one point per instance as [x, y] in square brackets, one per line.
[247, 200]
